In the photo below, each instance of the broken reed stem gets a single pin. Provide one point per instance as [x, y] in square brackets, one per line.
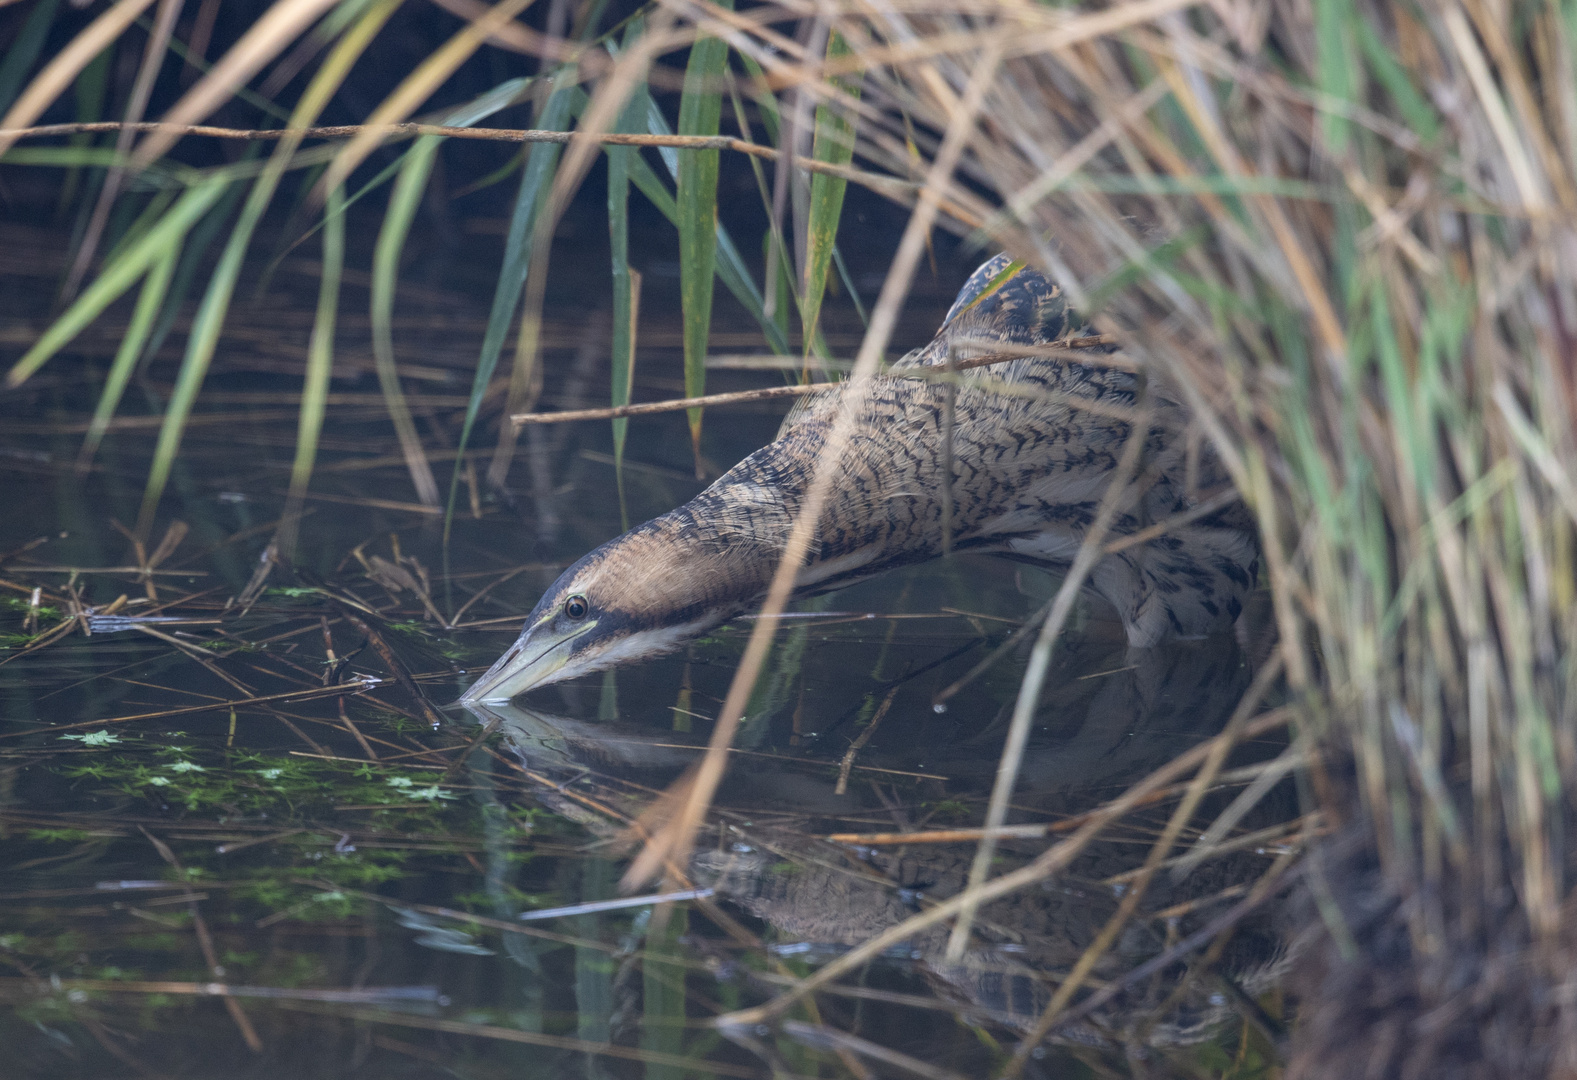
[769, 393]
[1014, 640]
[1280, 875]
[396, 666]
[205, 942]
[374, 995]
[675, 405]
[531, 1038]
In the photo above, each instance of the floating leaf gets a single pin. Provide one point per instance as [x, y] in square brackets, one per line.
[95, 738]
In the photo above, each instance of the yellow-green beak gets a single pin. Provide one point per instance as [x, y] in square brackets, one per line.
[535, 658]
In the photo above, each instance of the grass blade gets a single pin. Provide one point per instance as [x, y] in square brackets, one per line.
[320, 363]
[264, 40]
[155, 287]
[63, 69]
[555, 115]
[419, 85]
[626, 282]
[834, 144]
[403, 201]
[700, 113]
[120, 275]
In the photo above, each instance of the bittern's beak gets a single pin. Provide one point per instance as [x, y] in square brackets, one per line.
[540, 652]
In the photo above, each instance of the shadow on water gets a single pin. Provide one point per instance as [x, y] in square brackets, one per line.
[236, 841]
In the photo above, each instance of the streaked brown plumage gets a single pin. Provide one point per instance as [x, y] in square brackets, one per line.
[1034, 445]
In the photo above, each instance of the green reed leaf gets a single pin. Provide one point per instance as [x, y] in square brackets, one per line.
[212, 311]
[409, 187]
[731, 268]
[662, 990]
[320, 357]
[201, 342]
[120, 274]
[700, 113]
[562, 104]
[1414, 107]
[1337, 68]
[155, 287]
[626, 282]
[761, 91]
[24, 51]
[833, 144]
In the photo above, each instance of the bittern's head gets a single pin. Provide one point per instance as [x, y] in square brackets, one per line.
[644, 594]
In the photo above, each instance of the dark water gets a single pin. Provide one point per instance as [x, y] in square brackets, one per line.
[319, 882]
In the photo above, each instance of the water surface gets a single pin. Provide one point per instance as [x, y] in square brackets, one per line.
[246, 831]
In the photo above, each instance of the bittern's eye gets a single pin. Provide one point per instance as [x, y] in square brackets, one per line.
[576, 607]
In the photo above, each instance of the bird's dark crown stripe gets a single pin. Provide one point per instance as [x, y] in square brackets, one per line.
[1001, 279]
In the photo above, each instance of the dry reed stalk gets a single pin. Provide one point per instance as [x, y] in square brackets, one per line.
[673, 843]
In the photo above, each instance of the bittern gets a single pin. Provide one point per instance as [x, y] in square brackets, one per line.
[1034, 445]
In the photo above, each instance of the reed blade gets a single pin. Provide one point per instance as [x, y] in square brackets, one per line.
[626, 282]
[553, 115]
[420, 85]
[409, 187]
[320, 365]
[700, 113]
[834, 144]
[155, 287]
[63, 68]
[123, 271]
[731, 268]
[263, 40]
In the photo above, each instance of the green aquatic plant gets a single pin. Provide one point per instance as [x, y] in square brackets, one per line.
[250, 783]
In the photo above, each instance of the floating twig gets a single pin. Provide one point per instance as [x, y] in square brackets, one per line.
[864, 737]
[592, 906]
[358, 685]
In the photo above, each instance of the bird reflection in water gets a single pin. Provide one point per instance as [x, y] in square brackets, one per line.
[1112, 714]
